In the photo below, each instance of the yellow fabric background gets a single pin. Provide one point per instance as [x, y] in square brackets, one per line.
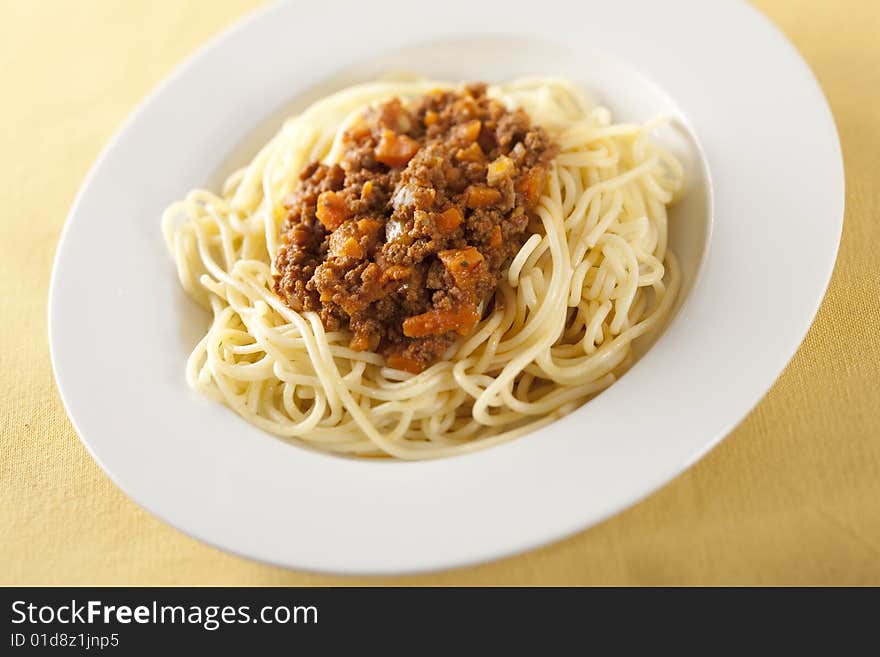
[792, 496]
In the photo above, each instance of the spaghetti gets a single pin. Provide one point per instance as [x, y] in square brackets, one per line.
[594, 275]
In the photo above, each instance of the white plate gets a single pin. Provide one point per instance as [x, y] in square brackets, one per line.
[757, 246]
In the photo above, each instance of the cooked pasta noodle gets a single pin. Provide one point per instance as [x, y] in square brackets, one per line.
[595, 274]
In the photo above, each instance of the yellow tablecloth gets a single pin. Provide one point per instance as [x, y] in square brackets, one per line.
[792, 496]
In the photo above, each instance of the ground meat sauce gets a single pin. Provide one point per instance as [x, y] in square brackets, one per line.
[403, 239]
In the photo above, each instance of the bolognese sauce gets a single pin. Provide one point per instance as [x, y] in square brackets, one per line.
[404, 240]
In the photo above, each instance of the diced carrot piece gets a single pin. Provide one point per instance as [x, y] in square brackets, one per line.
[457, 259]
[437, 322]
[431, 117]
[468, 131]
[403, 363]
[472, 153]
[531, 184]
[366, 190]
[495, 237]
[369, 227]
[397, 273]
[364, 338]
[465, 265]
[332, 210]
[359, 342]
[347, 248]
[352, 249]
[395, 150]
[479, 196]
[499, 169]
[449, 220]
